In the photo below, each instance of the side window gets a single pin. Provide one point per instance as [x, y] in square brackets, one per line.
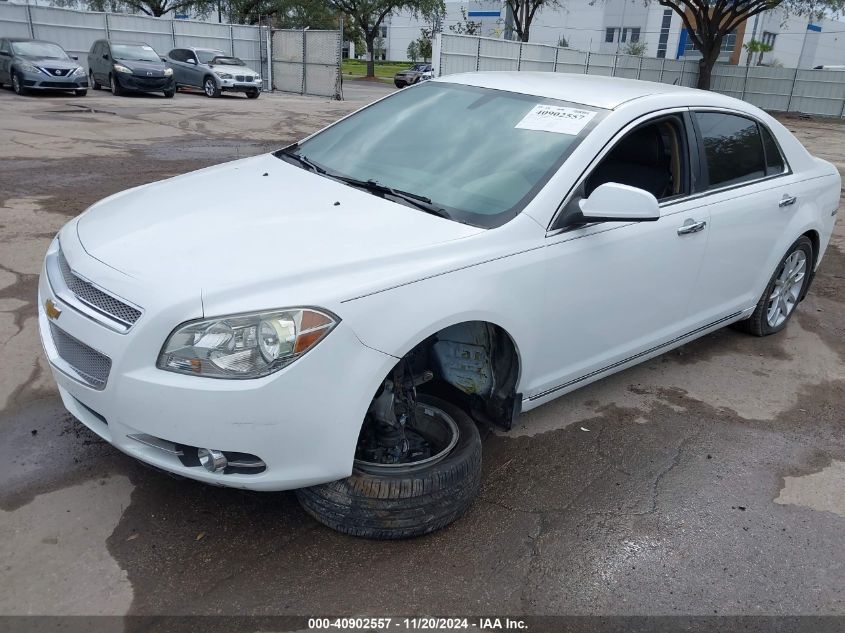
[733, 149]
[176, 55]
[4, 46]
[652, 156]
[774, 159]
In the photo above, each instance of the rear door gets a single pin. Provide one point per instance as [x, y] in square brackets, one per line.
[751, 194]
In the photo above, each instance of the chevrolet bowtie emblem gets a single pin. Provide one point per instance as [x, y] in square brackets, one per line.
[52, 309]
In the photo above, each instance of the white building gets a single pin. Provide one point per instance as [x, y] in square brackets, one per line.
[609, 27]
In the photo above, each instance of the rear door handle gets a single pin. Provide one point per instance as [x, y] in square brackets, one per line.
[787, 200]
[691, 226]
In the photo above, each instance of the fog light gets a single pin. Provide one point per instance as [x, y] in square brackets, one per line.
[213, 461]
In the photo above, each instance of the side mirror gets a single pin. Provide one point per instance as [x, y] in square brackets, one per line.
[75, 57]
[164, 59]
[5, 54]
[105, 56]
[612, 202]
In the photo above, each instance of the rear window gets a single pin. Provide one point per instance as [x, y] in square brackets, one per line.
[774, 159]
[733, 148]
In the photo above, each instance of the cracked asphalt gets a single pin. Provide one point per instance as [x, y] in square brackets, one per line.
[710, 480]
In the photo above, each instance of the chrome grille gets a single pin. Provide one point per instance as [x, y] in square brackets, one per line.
[91, 366]
[96, 298]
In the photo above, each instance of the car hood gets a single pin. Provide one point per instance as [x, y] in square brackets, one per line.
[250, 222]
[47, 62]
[409, 72]
[142, 68]
[234, 70]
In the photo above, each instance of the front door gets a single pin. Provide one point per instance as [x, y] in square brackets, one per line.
[618, 291]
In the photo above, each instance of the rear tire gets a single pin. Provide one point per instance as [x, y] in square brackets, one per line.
[767, 318]
[406, 502]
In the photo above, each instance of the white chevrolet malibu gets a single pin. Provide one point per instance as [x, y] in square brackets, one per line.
[339, 314]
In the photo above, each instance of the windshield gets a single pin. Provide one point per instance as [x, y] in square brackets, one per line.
[479, 154]
[206, 56]
[134, 53]
[38, 49]
[420, 67]
[227, 61]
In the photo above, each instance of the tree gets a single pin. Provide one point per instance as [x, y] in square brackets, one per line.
[756, 46]
[155, 8]
[709, 21]
[465, 26]
[413, 51]
[368, 15]
[635, 48]
[523, 12]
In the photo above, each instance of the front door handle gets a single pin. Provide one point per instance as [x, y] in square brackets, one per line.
[787, 200]
[692, 226]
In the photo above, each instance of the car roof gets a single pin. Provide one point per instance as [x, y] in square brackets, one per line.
[202, 48]
[590, 90]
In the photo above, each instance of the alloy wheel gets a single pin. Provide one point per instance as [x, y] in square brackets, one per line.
[16, 83]
[787, 288]
[209, 87]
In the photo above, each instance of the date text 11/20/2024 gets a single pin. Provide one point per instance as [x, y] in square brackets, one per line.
[419, 623]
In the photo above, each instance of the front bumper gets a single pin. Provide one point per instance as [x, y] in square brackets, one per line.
[302, 422]
[41, 81]
[138, 83]
[234, 85]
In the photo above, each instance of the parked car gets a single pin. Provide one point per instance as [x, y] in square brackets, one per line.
[129, 67]
[335, 314]
[38, 65]
[214, 72]
[414, 75]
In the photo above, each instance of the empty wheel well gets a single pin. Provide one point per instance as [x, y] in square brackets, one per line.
[474, 364]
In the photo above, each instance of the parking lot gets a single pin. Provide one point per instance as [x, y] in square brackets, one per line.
[706, 481]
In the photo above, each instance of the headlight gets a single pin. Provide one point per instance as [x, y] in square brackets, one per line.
[122, 69]
[223, 75]
[168, 72]
[244, 345]
[77, 71]
[29, 68]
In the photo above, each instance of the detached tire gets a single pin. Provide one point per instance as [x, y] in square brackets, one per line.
[412, 501]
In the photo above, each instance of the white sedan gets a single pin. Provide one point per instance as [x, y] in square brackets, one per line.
[338, 314]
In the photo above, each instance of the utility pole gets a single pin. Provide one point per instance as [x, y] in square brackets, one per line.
[753, 38]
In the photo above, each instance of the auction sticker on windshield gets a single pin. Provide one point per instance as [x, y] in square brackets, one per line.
[558, 119]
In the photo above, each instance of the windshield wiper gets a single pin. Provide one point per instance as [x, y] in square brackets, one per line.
[421, 202]
[301, 159]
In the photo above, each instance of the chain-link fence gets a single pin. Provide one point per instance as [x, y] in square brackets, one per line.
[820, 92]
[307, 62]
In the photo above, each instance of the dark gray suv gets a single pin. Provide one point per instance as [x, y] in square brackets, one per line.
[129, 67]
[37, 65]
